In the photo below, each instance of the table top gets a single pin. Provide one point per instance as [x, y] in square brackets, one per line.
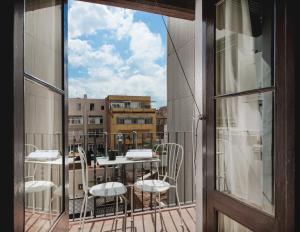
[55, 162]
[103, 161]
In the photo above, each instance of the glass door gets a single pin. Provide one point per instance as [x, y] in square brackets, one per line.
[244, 190]
[44, 97]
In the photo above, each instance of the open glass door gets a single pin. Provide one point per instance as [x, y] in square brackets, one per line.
[245, 185]
[44, 106]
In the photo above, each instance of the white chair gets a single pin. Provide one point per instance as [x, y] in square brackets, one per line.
[171, 155]
[35, 186]
[109, 189]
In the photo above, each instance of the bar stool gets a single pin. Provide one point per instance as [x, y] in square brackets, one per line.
[109, 189]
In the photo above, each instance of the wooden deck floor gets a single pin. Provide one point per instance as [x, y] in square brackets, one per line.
[144, 222]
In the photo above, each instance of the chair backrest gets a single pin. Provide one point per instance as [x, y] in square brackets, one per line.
[84, 168]
[30, 147]
[171, 155]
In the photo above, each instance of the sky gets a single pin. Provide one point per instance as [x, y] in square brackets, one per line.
[116, 51]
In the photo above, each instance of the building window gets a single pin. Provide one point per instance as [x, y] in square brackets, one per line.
[95, 133]
[148, 120]
[78, 106]
[75, 120]
[102, 107]
[120, 120]
[95, 120]
[141, 121]
[92, 107]
[134, 121]
[116, 105]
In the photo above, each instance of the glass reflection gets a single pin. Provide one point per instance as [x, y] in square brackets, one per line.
[244, 154]
[43, 159]
[42, 40]
[243, 46]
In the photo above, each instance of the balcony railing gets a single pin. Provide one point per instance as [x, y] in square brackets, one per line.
[101, 145]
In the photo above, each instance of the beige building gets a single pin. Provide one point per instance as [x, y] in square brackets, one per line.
[127, 115]
[87, 122]
[161, 122]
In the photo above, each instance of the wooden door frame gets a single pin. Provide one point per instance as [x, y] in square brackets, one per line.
[284, 129]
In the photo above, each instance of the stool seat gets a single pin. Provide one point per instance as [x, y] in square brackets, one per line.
[152, 186]
[35, 186]
[109, 189]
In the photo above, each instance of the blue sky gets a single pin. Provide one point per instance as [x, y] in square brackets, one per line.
[116, 51]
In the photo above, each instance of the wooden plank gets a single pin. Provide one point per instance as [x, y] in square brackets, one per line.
[147, 219]
[176, 219]
[97, 226]
[139, 223]
[188, 221]
[31, 221]
[168, 223]
[192, 213]
[172, 8]
[107, 225]
[145, 222]
[45, 227]
[87, 227]
[39, 224]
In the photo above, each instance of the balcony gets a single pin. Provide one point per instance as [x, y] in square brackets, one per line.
[100, 211]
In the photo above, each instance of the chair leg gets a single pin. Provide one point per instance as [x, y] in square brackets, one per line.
[117, 211]
[85, 209]
[82, 213]
[160, 214]
[131, 208]
[180, 213]
[125, 214]
[155, 205]
[81, 210]
[50, 210]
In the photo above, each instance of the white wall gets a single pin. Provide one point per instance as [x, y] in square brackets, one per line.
[198, 95]
[180, 101]
[187, 36]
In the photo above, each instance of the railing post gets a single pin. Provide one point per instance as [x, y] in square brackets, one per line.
[106, 142]
[184, 168]
[95, 174]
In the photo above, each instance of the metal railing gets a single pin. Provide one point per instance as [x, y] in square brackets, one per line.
[101, 145]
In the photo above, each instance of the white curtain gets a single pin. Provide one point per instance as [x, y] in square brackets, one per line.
[244, 124]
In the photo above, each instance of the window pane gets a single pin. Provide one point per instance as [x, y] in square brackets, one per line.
[244, 149]
[42, 36]
[243, 46]
[226, 224]
[43, 154]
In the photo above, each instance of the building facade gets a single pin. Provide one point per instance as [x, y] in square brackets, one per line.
[87, 122]
[130, 119]
[161, 122]
[180, 105]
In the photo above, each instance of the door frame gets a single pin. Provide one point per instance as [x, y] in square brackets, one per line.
[12, 120]
[284, 130]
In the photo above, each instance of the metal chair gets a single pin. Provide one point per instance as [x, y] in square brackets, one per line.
[171, 155]
[109, 189]
[35, 186]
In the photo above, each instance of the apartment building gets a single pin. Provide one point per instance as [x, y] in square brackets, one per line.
[130, 117]
[161, 122]
[87, 122]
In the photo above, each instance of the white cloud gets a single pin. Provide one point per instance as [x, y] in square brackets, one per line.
[107, 71]
[87, 18]
[144, 44]
[81, 53]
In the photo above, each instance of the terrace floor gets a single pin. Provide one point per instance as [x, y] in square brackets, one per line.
[144, 222]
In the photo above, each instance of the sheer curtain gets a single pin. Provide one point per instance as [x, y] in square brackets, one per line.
[244, 123]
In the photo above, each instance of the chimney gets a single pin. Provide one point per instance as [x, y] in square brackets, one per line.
[85, 96]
